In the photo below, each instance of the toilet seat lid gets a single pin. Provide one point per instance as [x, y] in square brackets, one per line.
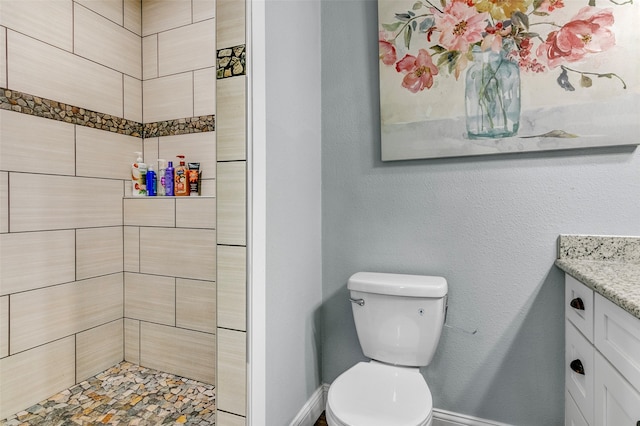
[376, 394]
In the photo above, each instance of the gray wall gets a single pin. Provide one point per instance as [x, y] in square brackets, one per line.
[293, 235]
[487, 224]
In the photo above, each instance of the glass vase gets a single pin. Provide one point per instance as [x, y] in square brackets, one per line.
[492, 95]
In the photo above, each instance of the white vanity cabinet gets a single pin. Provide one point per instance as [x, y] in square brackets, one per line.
[602, 354]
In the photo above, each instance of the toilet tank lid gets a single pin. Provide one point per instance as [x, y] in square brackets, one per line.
[398, 284]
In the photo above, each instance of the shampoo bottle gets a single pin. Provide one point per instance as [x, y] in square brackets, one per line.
[151, 182]
[162, 169]
[168, 180]
[138, 177]
[181, 185]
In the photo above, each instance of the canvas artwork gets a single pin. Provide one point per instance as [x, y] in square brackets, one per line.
[475, 77]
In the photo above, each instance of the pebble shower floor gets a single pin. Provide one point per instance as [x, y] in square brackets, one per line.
[125, 394]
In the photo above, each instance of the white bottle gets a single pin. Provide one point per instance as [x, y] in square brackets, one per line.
[139, 177]
[161, 175]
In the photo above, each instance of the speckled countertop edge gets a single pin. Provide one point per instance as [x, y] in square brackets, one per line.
[609, 265]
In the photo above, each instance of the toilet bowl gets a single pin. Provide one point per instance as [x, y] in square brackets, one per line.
[377, 394]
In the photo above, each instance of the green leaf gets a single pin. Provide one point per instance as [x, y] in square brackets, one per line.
[417, 5]
[407, 36]
[553, 134]
[585, 81]
[392, 27]
[520, 20]
[540, 13]
[438, 49]
[592, 3]
[608, 75]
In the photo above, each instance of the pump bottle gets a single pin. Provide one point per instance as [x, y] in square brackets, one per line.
[138, 177]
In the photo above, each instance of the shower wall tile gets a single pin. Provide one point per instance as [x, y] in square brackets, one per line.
[106, 42]
[99, 251]
[164, 15]
[231, 283]
[231, 203]
[187, 353]
[150, 57]
[132, 249]
[196, 212]
[47, 314]
[151, 151]
[150, 298]
[168, 98]
[4, 202]
[230, 22]
[232, 371]
[31, 376]
[196, 305]
[112, 10]
[228, 419]
[4, 326]
[101, 154]
[197, 147]
[132, 340]
[3, 57]
[204, 92]
[203, 9]
[150, 212]
[231, 118]
[208, 187]
[132, 99]
[133, 16]
[36, 259]
[187, 48]
[35, 145]
[178, 252]
[74, 80]
[51, 21]
[98, 349]
[63, 202]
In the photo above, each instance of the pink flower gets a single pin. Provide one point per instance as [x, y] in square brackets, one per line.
[549, 6]
[460, 25]
[387, 52]
[420, 71]
[587, 32]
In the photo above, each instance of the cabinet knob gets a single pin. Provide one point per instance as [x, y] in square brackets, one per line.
[578, 304]
[576, 365]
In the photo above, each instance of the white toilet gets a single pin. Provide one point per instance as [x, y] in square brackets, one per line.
[399, 319]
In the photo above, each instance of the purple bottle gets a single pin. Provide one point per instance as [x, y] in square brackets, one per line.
[168, 180]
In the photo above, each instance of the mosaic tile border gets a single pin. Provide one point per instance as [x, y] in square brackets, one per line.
[25, 103]
[231, 62]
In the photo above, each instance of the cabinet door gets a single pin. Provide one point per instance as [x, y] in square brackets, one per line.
[617, 403]
[579, 370]
[572, 414]
[579, 305]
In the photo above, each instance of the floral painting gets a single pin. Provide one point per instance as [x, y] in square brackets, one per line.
[474, 77]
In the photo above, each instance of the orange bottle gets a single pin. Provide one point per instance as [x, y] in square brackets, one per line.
[181, 178]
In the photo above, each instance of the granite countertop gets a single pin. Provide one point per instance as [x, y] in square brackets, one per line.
[608, 265]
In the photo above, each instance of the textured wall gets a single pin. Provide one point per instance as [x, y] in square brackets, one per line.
[488, 224]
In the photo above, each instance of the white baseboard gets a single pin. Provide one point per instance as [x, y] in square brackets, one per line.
[314, 407]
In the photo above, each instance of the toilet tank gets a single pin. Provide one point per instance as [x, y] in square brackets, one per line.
[398, 317]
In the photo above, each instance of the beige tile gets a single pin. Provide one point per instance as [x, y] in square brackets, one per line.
[232, 371]
[133, 16]
[132, 99]
[187, 353]
[196, 305]
[208, 187]
[228, 419]
[151, 153]
[230, 19]
[3, 57]
[4, 202]
[62, 202]
[187, 48]
[196, 147]
[110, 9]
[178, 252]
[99, 251]
[98, 349]
[150, 56]
[231, 203]
[203, 9]
[232, 287]
[44, 315]
[74, 80]
[47, 20]
[230, 119]
[4, 326]
[132, 340]
[132, 249]
[29, 377]
[204, 92]
[106, 42]
[196, 212]
[150, 298]
[162, 15]
[168, 98]
[105, 154]
[36, 145]
[150, 211]
[36, 259]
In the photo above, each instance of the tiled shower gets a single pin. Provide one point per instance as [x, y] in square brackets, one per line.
[88, 275]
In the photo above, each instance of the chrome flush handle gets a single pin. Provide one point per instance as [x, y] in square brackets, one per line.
[359, 302]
